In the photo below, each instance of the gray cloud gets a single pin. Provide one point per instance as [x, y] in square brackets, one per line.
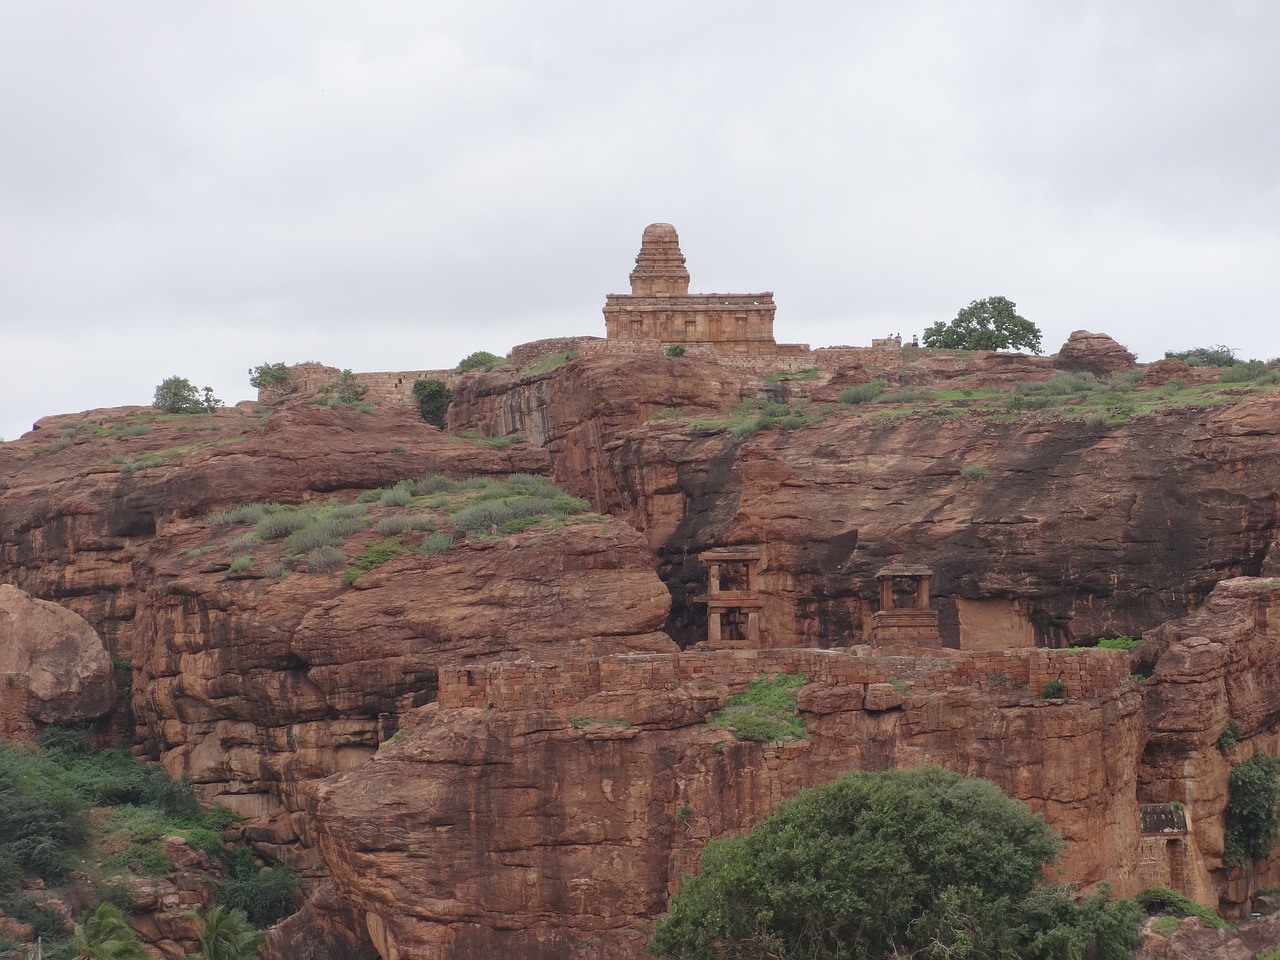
[195, 190]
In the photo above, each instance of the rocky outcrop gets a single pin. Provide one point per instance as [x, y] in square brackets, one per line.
[1094, 353]
[559, 830]
[255, 687]
[69, 675]
[1192, 941]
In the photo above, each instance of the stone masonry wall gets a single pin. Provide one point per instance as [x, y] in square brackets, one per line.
[524, 684]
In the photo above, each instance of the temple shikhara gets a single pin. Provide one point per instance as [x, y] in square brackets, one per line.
[660, 306]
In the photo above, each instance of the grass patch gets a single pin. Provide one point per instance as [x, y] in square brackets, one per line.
[547, 364]
[374, 555]
[862, 392]
[325, 559]
[436, 543]
[241, 563]
[765, 712]
[1165, 901]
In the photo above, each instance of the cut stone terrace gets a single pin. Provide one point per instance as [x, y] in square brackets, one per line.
[529, 684]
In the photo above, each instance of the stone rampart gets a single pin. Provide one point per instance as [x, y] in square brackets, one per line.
[527, 684]
[528, 354]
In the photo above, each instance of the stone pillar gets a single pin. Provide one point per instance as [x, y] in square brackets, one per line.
[713, 579]
[922, 593]
[714, 618]
[886, 593]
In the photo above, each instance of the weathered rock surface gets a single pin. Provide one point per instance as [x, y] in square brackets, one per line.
[1192, 941]
[559, 832]
[1093, 353]
[70, 672]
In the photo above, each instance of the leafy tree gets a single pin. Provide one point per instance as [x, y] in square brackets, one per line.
[919, 862]
[1253, 810]
[274, 377]
[480, 360]
[433, 398]
[990, 324]
[104, 935]
[228, 935]
[177, 395]
[344, 391]
[209, 401]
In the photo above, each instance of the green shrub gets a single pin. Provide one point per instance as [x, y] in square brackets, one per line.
[974, 471]
[862, 393]
[1053, 690]
[436, 543]
[265, 895]
[177, 395]
[322, 532]
[401, 495]
[374, 555]
[142, 859]
[276, 568]
[675, 350]
[480, 360]
[345, 391]
[765, 711]
[245, 544]
[436, 483]
[1231, 735]
[249, 513]
[1117, 643]
[272, 376]
[325, 559]
[1244, 372]
[241, 563]
[1252, 820]
[1163, 900]
[1218, 356]
[277, 524]
[432, 398]
[403, 523]
[906, 863]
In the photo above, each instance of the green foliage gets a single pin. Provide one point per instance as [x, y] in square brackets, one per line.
[403, 523]
[918, 862]
[974, 471]
[178, 395]
[765, 711]
[1231, 735]
[433, 398]
[1163, 900]
[862, 392]
[521, 498]
[1252, 820]
[105, 935]
[1117, 643]
[249, 513]
[1250, 371]
[990, 324]
[265, 896]
[208, 401]
[241, 563]
[401, 495]
[1053, 690]
[345, 391]
[908, 394]
[272, 376]
[480, 360]
[280, 522]
[226, 934]
[1219, 356]
[675, 350]
[325, 559]
[375, 555]
[321, 531]
[436, 543]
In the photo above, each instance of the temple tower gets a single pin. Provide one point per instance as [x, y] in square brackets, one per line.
[660, 269]
[660, 307]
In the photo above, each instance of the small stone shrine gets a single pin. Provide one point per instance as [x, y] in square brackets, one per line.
[661, 308]
[733, 602]
[913, 627]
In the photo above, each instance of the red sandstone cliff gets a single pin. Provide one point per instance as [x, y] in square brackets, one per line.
[260, 687]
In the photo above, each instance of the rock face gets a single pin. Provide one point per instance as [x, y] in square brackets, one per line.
[69, 672]
[1093, 353]
[631, 782]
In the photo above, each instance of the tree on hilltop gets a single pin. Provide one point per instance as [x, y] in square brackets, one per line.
[273, 377]
[903, 863]
[990, 324]
[179, 395]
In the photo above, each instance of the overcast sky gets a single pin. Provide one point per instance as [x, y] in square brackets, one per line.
[197, 188]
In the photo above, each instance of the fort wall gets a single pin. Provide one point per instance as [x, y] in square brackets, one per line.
[527, 684]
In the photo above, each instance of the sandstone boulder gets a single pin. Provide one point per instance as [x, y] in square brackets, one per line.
[70, 671]
[1094, 353]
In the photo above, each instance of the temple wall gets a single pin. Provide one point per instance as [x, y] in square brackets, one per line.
[524, 684]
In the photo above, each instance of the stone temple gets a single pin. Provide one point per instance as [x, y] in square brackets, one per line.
[661, 308]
